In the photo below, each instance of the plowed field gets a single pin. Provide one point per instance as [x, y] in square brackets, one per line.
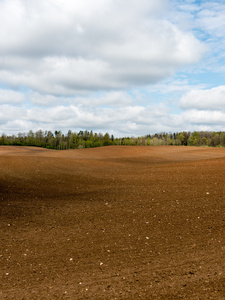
[112, 223]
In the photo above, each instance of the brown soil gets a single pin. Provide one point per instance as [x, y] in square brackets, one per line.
[112, 223]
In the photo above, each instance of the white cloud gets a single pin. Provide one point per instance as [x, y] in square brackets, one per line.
[74, 47]
[9, 113]
[9, 96]
[211, 119]
[113, 99]
[45, 99]
[211, 18]
[211, 99]
[129, 120]
[110, 65]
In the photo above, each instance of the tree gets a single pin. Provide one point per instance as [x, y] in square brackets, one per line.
[106, 140]
[49, 139]
[58, 139]
[193, 140]
[215, 141]
[30, 138]
[3, 139]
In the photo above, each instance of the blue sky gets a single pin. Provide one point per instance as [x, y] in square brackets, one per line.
[125, 67]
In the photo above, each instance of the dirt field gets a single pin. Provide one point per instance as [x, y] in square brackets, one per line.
[112, 223]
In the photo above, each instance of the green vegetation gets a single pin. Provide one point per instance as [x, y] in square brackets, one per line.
[86, 139]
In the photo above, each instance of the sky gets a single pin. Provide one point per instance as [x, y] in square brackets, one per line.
[129, 68]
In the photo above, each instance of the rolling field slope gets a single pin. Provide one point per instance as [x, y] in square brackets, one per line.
[112, 223]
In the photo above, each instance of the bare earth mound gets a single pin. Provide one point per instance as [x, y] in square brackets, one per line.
[112, 223]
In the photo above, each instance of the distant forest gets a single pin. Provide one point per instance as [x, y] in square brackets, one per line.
[89, 139]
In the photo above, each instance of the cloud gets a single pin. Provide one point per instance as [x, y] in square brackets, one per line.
[211, 18]
[113, 99]
[204, 118]
[210, 99]
[129, 120]
[9, 113]
[9, 96]
[75, 47]
[109, 65]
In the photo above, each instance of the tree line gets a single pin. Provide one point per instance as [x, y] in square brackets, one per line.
[89, 139]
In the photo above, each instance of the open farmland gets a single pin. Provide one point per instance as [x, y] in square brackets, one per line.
[112, 223]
